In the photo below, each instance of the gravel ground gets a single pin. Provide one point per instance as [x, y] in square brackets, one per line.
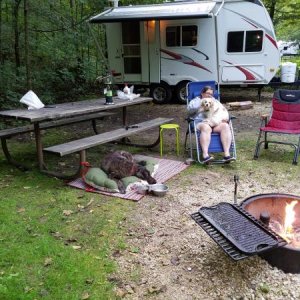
[170, 257]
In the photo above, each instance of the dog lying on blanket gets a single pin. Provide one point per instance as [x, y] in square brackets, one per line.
[120, 164]
[214, 111]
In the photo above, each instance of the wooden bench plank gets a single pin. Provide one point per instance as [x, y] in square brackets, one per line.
[5, 133]
[102, 138]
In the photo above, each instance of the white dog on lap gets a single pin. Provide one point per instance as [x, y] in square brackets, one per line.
[214, 111]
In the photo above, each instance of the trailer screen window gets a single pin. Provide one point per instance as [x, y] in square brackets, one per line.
[131, 47]
[236, 41]
[177, 36]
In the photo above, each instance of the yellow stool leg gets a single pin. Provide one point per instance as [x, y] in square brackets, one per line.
[177, 140]
[161, 141]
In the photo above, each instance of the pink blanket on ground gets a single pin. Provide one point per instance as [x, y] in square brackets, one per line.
[166, 169]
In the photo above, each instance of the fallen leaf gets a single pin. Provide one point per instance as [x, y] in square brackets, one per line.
[76, 247]
[21, 210]
[121, 293]
[85, 296]
[67, 212]
[90, 202]
[70, 240]
[56, 234]
[89, 281]
[27, 289]
[48, 261]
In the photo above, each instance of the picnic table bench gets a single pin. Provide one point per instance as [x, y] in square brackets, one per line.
[10, 132]
[81, 145]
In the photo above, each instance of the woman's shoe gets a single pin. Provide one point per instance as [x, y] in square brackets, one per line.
[228, 159]
[208, 159]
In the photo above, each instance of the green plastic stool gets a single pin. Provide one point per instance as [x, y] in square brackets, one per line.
[169, 126]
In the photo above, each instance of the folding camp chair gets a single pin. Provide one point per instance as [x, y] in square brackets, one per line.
[285, 119]
[194, 90]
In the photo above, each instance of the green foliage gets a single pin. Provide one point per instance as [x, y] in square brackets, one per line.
[63, 61]
[286, 18]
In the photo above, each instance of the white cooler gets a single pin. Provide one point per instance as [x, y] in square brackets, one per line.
[288, 72]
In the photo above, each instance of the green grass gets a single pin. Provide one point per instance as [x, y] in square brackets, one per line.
[37, 255]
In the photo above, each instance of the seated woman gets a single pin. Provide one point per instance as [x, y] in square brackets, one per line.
[196, 112]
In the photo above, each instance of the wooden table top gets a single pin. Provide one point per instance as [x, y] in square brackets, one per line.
[70, 109]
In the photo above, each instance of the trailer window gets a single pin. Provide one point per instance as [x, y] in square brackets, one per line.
[236, 41]
[254, 41]
[177, 36]
[189, 35]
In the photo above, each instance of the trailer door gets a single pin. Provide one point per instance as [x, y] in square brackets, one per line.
[115, 51]
[141, 55]
[134, 51]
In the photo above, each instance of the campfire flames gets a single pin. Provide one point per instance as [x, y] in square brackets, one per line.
[288, 230]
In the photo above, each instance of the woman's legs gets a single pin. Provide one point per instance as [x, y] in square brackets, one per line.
[225, 136]
[205, 137]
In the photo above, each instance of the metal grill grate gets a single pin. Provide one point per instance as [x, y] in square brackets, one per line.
[237, 232]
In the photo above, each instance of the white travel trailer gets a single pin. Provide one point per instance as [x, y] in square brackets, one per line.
[164, 46]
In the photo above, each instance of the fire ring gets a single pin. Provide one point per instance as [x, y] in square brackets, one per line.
[286, 258]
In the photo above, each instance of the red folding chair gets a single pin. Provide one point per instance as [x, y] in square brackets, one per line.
[285, 119]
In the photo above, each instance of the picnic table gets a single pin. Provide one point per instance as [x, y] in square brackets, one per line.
[65, 113]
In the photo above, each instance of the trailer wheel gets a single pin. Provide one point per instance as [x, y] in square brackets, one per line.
[180, 92]
[161, 93]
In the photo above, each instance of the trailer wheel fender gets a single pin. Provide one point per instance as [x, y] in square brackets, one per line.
[161, 93]
[180, 91]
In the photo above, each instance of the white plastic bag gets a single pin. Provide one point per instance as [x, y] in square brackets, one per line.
[131, 89]
[122, 95]
[32, 100]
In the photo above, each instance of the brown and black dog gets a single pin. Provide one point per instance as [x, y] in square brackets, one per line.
[120, 164]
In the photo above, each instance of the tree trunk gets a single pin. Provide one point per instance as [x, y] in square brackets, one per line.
[26, 46]
[1, 54]
[17, 34]
[272, 9]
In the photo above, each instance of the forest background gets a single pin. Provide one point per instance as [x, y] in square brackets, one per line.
[49, 46]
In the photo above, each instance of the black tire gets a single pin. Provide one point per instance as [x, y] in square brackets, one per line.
[180, 92]
[161, 93]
